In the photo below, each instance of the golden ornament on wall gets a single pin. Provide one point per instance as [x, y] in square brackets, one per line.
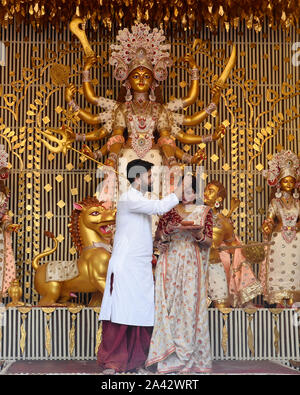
[60, 74]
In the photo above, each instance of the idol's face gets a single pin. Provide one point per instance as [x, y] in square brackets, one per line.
[211, 193]
[140, 79]
[288, 184]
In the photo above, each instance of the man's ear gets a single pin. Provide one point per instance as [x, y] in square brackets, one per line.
[137, 179]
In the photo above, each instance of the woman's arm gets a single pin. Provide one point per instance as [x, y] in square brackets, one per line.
[205, 236]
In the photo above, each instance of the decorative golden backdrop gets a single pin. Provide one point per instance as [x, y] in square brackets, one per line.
[261, 106]
[173, 14]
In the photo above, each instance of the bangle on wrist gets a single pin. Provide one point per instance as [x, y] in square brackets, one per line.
[210, 108]
[195, 74]
[207, 139]
[113, 157]
[80, 137]
[186, 158]
[86, 76]
[74, 107]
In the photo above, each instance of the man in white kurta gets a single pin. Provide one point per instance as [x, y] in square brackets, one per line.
[129, 293]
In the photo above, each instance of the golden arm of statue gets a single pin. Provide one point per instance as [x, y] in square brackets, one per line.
[230, 238]
[184, 157]
[179, 154]
[96, 134]
[168, 149]
[95, 154]
[88, 89]
[198, 117]
[85, 116]
[195, 139]
[115, 148]
[268, 224]
[194, 87]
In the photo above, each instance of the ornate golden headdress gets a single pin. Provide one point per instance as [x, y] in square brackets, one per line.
[283, 164]
[141, 47]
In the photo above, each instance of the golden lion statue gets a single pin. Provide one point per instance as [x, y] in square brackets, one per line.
[92, 232]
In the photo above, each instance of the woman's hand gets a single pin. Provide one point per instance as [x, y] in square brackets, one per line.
[161, 246]
[70, 92]
[171, 228]
[198, 234]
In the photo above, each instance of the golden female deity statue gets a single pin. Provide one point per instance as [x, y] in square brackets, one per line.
[230, 277]
[280, 272]
[140, 60]
[7, 261]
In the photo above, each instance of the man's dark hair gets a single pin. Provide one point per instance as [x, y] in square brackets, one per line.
[137, 167]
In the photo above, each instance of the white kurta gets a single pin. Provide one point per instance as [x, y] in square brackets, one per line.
[132, 299]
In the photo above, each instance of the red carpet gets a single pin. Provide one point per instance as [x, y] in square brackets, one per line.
[90, 367]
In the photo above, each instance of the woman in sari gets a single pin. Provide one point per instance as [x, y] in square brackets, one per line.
[180, 341]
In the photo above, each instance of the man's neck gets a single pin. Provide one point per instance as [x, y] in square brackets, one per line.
[137, 187]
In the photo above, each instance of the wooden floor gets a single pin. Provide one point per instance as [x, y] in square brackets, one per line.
[90, 367]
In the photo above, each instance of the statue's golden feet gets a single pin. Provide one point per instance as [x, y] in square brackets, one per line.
[15, 304]
[72, 304]
[220, 305]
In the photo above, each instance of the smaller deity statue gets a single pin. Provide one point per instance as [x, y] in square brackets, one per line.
[231, 280]
[280, 272]
[7, 262]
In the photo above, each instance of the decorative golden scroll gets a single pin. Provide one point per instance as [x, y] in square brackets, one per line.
[275, 313]
[98, 338]
[99, 332]
[225, 311]
[250, 313]
[24, 311]
[175, 15]
[48, 311]
[73, 311]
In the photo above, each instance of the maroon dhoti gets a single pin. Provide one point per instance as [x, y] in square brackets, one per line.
[123, 347]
